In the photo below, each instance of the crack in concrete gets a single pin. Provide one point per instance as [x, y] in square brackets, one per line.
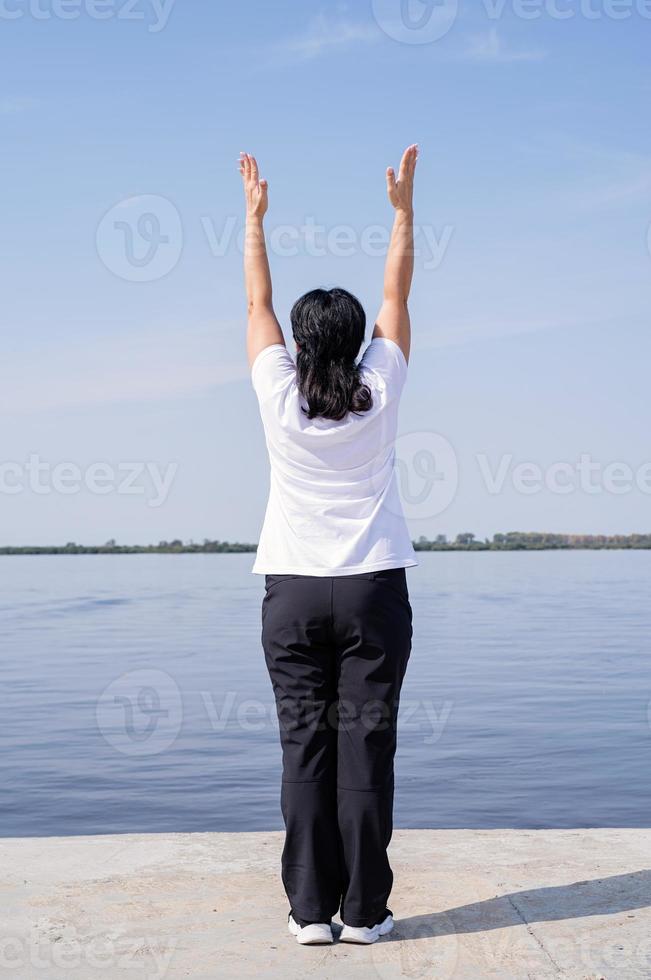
[533, 935]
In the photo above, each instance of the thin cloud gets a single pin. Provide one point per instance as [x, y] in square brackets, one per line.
[470, 331]
[151, 366]
[618, 191]
[492, 49]
[597, 175]
[612, 176]
[324, 35]
[12, 105]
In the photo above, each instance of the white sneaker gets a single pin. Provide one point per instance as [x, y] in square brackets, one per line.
[364, 935]
[315, 934]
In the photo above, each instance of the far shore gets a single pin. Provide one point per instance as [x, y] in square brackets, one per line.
[511, 541]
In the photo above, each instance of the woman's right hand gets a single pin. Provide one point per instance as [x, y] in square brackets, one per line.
[401, 191]
[255, 190]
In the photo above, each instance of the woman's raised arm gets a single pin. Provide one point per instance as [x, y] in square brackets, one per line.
[393, 319]
[263, 327]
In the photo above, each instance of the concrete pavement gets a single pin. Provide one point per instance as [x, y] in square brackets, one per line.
[468, 904]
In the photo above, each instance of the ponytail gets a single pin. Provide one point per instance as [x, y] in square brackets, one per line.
[328, 327]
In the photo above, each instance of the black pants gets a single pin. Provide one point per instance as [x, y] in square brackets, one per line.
[337, 649]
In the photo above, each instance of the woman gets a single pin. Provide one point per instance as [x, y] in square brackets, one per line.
[334, 548]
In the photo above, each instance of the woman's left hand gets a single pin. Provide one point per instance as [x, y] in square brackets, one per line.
[255, 190]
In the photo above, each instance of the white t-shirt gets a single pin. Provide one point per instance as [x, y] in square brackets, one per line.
[334, 506]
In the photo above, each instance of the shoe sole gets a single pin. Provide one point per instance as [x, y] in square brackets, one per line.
[294, 930]
[383, 929]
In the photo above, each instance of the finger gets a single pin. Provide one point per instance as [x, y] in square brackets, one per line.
[254, 169]
[391, 180]
[247, 166]
[411, 164]
[404, 164]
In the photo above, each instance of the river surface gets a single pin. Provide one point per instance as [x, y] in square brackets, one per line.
[135, 696]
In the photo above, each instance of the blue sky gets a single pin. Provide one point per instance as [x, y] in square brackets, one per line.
[532, 290]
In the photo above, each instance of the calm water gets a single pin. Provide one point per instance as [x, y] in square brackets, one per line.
[135, 697]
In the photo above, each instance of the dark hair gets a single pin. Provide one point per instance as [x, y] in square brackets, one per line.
[328, 327]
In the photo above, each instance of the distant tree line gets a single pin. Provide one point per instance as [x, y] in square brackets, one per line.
[534, 541]
[175, 547]
[511, 541]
